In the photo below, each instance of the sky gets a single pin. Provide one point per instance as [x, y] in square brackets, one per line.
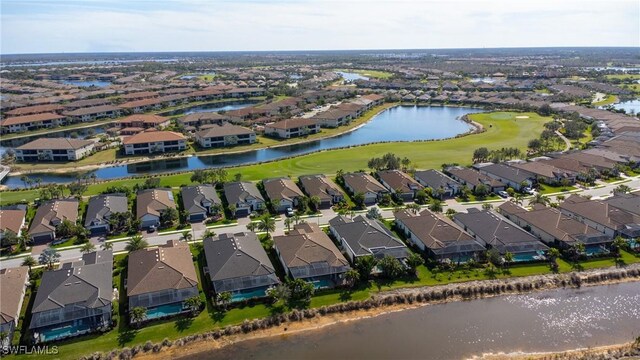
[54, 26]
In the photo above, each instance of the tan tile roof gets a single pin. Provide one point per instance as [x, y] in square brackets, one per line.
[153, 136]
[11, 220]
[12, 285]
[30, 118]
[66, 209]
[152, 201]
[144, 118]
[307, 244]
[55, 144]
[292, 123]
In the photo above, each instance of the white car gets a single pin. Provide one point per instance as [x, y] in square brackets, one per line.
[503, 194]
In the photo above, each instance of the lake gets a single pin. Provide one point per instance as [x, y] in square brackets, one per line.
[349, 76]
[401, 123]
[86, 83]
[546, 321]
[630, 106]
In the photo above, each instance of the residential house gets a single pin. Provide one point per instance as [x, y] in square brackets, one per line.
[282, 192]
[361, 236]
[144, 121]
[555, 228]
[11, 221]
[200, 201]
[225, 135]
[150, 203]
[237, 263]
[497, 232]
[511, 176]
[54, 149]
[93, 113]
[293, 127]
[547, 173]
[161, 279]
[399, 183]
[440, 184]
[13, 286]
[150, 142]
[363, 183]
[100, 209]
[438, 236]
[611, 217]
[333, 118]
[307, 253]
[245, 196]
[31, 122]
[49, 216]
[203, 118]
[472, 178]
[324, 188]
[77, 297]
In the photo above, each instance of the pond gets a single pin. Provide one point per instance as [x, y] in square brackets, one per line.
[349, 76]
[401, 123]
[540, 322]
[630, 106]
[86, 83]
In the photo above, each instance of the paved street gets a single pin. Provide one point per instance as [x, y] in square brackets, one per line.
[326, 215]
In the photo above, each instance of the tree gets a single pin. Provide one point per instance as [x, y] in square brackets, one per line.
[539, 199]
[545, 110]
[535, 145]
[358, 199]
[365, 265]
[107, 245]
[87, 248]
[136, 242]
[508, 258]
[168, 216]
[481, 190]
[208, 233]
[48, 257]
[301, 290]
[279, 292]
[421, 197]
[465, 193]
[414, 208]
[186, 236]
[315, 201]
[29, 261]
[480, 155]
[374, 213]
[199, 176]
[518, 198]
[413, 261]
[391, 267]
[553, 254]
[493, 256]
[435, 205]
[9, 238]
[65, 229]
[287, 223]
[621, 189]
[352, 276]
[617, 245]
[77, 188]
[267, 224]
[252, 226]
[487, 206]
[138, 314]
[194, 303]
[576, 250]
[450, 212]
[223, 299]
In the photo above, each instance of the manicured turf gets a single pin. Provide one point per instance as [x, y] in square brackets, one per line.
[377, 74]
[610, 99]
[624, 76]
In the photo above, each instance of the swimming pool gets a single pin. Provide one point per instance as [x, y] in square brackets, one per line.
[248, 294]
[63, 332]
[164, 310]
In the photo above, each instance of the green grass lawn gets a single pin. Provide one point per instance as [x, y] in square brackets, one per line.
[377, 74]
[610, 99]
[548, 189]
[623, 76]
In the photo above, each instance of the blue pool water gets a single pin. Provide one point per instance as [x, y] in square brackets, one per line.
[256, 293]
[595, 250]
[401, 123]
[62, 332]
[323, 283]
[164, 310]
[527, 256]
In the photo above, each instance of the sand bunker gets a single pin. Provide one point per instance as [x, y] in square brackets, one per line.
[522, 117]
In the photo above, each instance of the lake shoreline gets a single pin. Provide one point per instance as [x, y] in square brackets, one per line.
[203, 344]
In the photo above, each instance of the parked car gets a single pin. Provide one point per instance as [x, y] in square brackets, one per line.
[151, 229]
[528, 190]
[289, 212]
[503, 194]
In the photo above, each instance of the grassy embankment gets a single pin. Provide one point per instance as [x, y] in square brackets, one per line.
[503, 129]
[610, 99]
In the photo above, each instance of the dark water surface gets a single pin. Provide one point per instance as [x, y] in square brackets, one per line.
[540, 322]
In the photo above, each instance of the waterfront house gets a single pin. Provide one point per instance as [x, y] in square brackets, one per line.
[11, 221]
[225, 135]
[161, 278]
[75, 299]
[100, 209]
[613, 217]
[555, 228]
[13, 286]
[54, 149]
[333, 117]
[31, 122]
[36, 109]
[245, 196]
[438, 182]
[497, 232]
[282, 192]
[49, 216]
[511, 176]
[361, 236]
[204, 118]
[150, 203]
[321, 186]
[307, 253]
[237, 263]
[293, 127]
[144, 121]
[399, 183]
[93, 113]
[547, 173]
[360, 182]
[438, 236]
[150, 142]
[472, 178]
[200, 201]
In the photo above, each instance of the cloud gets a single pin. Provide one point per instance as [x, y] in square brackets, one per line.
[96, 25]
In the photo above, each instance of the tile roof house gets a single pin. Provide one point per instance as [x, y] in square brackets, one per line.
[11, 221]
[161, 279]
[245, 196]
[548, 173]
[293, 127]
[308, 253]
[54, 149]
[200, 201]
[555, 228]
[149, 142]
[100, 209]
[324, 188]
[361, 236]
[399, 183]
[225, 135]
[438, 236]
[150, 203]
[203, 118]
[472, 178]
[282, 192]
[93, 113]
[438, 182]
[77, 296]
[238, 263]
[497, 232]
[360, 182]
[49, 215]
[509, 175]
[31, 122]
[13, 286]
[605, 216]
[145, 121]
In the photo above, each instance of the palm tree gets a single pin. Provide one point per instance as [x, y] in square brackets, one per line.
[48, 257]
[508, 259]
[223, 299]
[252, 226]
[287, 223]
[209, 233]
[414, 208]
[352, 276]
[107, 245]
[553, 254]
[267, 224]
[296, 217]
[186, 236]
[539, 199]
[136, 242]
[618, 244]
[435, 205]
[517, 198]
[29, 261]
[88, 248]
[193, 303]
[137, 315]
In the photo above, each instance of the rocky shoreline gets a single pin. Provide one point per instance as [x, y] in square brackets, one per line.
[381, 303]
